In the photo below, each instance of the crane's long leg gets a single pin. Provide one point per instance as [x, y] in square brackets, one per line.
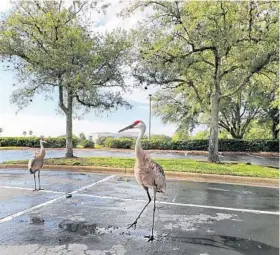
[34, 181]
[39, 180]
[151, 238]
[135, 222]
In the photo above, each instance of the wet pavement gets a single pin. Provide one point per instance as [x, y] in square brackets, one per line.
[192, 218]
[6, 155]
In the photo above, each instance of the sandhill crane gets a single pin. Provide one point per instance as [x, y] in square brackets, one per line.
[147, 172]
[36, 162]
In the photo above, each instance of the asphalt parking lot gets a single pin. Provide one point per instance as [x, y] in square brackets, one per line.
[192, 218]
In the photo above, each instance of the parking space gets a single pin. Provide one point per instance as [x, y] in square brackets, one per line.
[191, 218]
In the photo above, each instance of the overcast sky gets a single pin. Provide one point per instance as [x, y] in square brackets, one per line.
[41, 116]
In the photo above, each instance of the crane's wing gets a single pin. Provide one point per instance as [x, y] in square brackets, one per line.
[148, 173]
[30, 163]
[159, 177]
[160, 169]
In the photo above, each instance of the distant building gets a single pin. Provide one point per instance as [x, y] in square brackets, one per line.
[94, 136]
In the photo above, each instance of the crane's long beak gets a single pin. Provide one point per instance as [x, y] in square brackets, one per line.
[126, 128]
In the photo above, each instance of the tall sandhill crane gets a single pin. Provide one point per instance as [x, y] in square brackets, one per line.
[147, 172]
[35, 164]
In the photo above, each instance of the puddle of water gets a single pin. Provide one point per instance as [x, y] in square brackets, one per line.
[81, 228]
[36, 220]
[85, 228]
[239, 244]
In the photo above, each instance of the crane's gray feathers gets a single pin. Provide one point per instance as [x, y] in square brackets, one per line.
[160, 169]
[148, 173]
[30, 163]
[35, 164]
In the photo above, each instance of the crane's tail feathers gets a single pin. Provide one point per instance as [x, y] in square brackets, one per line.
[31, 171]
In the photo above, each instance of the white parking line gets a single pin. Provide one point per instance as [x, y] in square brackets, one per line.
[224, 208]
[187, 205]
[93, 184]
[15, 215]
[21, 188]
[10, 217]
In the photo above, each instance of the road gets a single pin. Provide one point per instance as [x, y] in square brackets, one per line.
[6, 155]
[192, 218]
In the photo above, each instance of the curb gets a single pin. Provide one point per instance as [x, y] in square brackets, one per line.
[252, 181]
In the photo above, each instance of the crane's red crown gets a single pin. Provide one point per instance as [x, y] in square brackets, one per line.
[136, 122]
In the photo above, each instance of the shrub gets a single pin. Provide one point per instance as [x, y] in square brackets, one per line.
[200, 145]
[156, 145]
[87, 144]
[121, 143]
[52, 142]
[101, 140]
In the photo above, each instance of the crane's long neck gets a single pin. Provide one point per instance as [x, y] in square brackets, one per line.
[42, 152]
[138, 147]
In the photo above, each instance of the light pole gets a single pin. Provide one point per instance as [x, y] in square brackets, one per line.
[150, 115]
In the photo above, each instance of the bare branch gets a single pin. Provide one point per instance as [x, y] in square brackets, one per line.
[231, 69]
[254, 70]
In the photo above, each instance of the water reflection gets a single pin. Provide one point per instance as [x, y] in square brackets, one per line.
[242, 245]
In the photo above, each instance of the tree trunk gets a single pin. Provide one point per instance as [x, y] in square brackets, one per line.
[69, 125]
[235, 136]
[273, 113]
[214, 129]
[69, 142]
[214, 123]
[274, 129]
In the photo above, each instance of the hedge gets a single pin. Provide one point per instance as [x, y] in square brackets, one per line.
[157, 144]
[101, 140]
[86, 143]
[199, 145]
[52, 142]
[122, 143]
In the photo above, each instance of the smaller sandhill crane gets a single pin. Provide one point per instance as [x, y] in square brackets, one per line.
[148, 173]
[35, 164]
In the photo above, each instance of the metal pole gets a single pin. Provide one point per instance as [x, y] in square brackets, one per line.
[150, 116]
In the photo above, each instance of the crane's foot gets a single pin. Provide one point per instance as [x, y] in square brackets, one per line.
[133, 225]
[151, 238]
[34, 190]
[40, 189]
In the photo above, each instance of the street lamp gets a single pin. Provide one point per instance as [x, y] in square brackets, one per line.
[150, 115]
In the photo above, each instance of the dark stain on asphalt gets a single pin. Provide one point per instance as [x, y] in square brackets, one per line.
[81, 228]
[242, 245]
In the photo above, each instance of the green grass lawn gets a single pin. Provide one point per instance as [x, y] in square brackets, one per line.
[177, 165]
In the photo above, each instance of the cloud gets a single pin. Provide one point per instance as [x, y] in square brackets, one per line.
[5, 5]
[112, 20]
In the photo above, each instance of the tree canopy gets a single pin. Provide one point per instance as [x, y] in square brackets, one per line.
[51, 50]
[205, 52]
